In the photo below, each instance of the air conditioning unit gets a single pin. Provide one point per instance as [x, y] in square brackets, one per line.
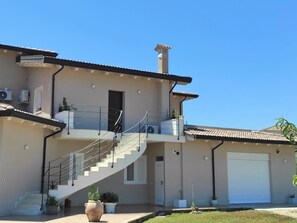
[24, 96]
[152, 129]
[5, 95]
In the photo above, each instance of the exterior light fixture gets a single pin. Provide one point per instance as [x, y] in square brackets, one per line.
[175, 152]
[93, 86]
[205, 157]
[26, 147]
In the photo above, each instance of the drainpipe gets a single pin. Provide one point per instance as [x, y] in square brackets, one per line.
[182, 172]
[53, 90]
[169, 97]
[180, 105]
[213, 170]
[43, 163]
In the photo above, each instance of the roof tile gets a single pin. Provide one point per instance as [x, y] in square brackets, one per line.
[236, 134]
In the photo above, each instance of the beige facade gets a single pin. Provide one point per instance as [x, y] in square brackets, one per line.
[20, 160]
[12, 77]
[187, 164]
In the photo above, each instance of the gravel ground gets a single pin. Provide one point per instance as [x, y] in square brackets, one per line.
[291, 212]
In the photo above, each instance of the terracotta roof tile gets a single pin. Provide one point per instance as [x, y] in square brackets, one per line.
[236, 135]
[8, 110]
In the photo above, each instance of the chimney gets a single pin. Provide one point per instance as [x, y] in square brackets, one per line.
[162, 58]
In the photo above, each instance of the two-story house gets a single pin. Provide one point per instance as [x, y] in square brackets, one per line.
[65, 125]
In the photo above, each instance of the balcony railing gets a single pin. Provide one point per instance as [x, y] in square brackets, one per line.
[102, 119]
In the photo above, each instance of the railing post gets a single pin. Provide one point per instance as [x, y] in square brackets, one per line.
[48, 177]
[99, 152]
[73, 168]
[178, 130]
[146, 124]
[113, 150]
[139, 132]
[60, 174]
[68, 132]
[99, 121]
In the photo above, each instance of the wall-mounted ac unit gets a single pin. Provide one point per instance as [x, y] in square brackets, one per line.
[5, 95]
[152, 129]
[24, 96]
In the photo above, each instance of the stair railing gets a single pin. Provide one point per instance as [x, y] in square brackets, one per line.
[59, 169]
[67, 167]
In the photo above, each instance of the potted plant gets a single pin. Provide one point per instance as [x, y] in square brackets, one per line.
[292, 199]
[66, 113]
[110, 201]
[94, 207]
[52, 205]
[214, 201]
[173, 126]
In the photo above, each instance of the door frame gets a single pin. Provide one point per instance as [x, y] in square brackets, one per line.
[122, 108]
[159, 173]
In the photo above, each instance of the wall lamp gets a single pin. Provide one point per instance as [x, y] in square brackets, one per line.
[175, 152]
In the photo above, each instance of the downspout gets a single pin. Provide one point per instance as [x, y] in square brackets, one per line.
[53, 90]
[213, 170]
[169, 97]
[182, 172]
[43, 163]
[180, 105]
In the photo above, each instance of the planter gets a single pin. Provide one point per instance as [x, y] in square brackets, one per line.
[173, 126]
[52, 209]
[63, 116]
[180, 203]
[94, 210]
[292, 201]
[110, 207]
[214, 203]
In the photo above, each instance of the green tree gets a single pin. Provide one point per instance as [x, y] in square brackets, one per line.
[289, 130]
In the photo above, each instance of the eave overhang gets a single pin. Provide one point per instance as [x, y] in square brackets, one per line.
[13, 113]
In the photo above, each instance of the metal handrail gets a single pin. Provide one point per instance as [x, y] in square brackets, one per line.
[67, 168]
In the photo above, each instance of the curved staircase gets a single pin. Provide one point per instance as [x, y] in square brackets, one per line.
[127, 151]
[75, 171]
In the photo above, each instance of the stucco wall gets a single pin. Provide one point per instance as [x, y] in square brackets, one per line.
[173, 177]
[38, 77]
[128, 194]
[176, 104]
[12, 77]
[197, 170]
[76, 87]
[62, 147]
[20, 169]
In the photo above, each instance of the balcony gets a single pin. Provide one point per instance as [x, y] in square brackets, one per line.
[98, 122]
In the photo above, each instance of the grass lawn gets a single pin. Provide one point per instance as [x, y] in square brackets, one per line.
[224, 217]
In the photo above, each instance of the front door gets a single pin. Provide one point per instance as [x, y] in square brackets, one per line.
[115, 106]
[159, 181]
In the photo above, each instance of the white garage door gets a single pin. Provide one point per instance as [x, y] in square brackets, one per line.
[248, 178]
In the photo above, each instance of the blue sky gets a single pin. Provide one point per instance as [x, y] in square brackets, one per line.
[242, 54]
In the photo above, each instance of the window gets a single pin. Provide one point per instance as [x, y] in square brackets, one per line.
[135, 173]
[38, 99]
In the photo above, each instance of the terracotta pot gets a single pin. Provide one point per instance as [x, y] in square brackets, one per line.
[94, 210]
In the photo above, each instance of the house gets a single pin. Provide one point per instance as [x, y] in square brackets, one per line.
[65, 125]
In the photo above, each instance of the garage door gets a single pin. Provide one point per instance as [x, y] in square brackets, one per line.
[248, 178]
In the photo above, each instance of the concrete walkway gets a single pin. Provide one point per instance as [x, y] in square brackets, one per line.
[130, 213]
[124, 214]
